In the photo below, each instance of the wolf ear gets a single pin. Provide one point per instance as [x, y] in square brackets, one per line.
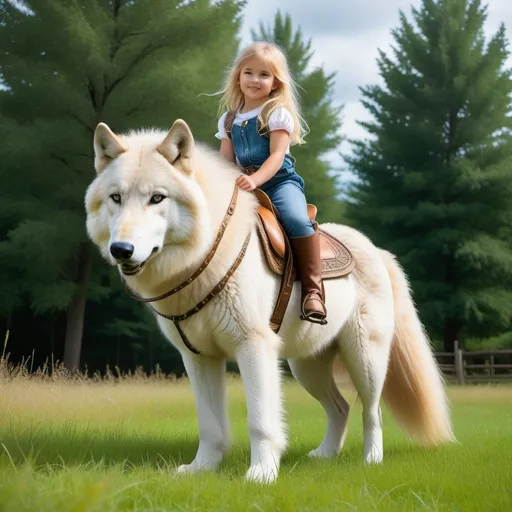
[107, 146]
[178, 146]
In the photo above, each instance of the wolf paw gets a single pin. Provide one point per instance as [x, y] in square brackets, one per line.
[262, 473]
[323, 453]
[374, 456]
[187, 468]
[195, 466]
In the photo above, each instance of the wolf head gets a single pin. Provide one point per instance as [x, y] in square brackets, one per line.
[145, 196]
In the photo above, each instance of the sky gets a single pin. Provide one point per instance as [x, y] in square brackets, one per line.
[345, 37]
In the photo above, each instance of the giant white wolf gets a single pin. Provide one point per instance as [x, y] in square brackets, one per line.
[159, 204]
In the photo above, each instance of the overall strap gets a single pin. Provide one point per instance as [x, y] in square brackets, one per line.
[230, 119]
[266, 111]
[228, 122]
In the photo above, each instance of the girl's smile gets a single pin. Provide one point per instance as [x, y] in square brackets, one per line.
[256, 82]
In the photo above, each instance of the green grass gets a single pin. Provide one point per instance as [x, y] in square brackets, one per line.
[101, 446]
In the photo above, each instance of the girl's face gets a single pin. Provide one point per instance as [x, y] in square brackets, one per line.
[256, 80]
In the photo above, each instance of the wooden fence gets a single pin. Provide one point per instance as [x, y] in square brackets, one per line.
[478, 366]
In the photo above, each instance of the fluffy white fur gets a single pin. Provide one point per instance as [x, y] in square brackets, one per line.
[372, 322]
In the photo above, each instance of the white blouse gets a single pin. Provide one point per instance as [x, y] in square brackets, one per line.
[280, 119]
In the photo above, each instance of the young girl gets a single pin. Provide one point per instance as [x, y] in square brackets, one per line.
[261, 121]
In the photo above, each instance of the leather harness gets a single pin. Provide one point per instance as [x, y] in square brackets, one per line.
[282, 300]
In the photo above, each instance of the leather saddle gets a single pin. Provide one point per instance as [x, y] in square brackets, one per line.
[337, 260]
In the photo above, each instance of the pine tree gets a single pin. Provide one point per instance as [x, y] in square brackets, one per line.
[435, 176]
[65, 66]
[319, 111]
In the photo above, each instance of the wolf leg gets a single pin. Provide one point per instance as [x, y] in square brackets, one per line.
[208, 379]
[316, 376]
[259, 368]
[365, 354]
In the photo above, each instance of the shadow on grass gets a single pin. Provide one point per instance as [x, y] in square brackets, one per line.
[82, 448]
[59, 449]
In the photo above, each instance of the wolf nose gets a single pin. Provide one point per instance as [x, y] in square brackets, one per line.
[122, 250]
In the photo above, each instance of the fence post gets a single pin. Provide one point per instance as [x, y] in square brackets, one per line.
[459, 364]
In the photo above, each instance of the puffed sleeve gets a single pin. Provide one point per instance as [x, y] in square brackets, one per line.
[281, 119]
[221, 132]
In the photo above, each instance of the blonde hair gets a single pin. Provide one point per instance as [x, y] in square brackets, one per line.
[284, 95]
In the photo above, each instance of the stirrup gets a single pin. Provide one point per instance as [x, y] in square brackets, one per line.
[313, 317]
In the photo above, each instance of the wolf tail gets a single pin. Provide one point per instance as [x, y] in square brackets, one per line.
[414, 388]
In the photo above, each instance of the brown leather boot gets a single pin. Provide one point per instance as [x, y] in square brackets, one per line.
[308, 264]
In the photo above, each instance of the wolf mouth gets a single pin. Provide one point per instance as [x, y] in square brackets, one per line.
[132, 270]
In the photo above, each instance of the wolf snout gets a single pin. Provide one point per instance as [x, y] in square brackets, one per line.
[122, 250]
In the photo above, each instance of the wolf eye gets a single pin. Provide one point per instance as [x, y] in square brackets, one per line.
[156, 198]
[116, 198]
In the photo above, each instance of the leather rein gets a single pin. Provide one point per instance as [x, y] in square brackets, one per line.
[215, 290]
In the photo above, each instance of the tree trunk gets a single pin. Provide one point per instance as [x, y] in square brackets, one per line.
[451, 332]
[118, 352]
[452, 325]
[76, 312]
[150, 346]
[52, 339]
[7, 333]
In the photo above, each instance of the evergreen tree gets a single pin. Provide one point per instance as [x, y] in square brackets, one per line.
[322, 117]
[65, 66]
[434, 178]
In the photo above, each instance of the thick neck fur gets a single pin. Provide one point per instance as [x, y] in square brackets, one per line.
[212, 187]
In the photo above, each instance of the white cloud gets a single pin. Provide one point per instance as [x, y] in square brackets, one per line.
[345, 37]
[352, 57]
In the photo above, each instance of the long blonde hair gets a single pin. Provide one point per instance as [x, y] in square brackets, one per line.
[284, 95]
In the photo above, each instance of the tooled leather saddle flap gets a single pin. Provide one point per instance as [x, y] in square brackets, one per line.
[337, 260]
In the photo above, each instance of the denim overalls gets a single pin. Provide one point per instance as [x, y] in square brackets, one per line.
[285, 189]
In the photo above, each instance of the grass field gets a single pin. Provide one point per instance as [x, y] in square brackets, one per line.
[99, 446]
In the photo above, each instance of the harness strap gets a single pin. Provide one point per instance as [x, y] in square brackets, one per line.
[200, 305]
[285, 290]
[199, 271]
[215, 291]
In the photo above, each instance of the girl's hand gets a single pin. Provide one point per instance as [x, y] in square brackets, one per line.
[279, 140]
[246, 183]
